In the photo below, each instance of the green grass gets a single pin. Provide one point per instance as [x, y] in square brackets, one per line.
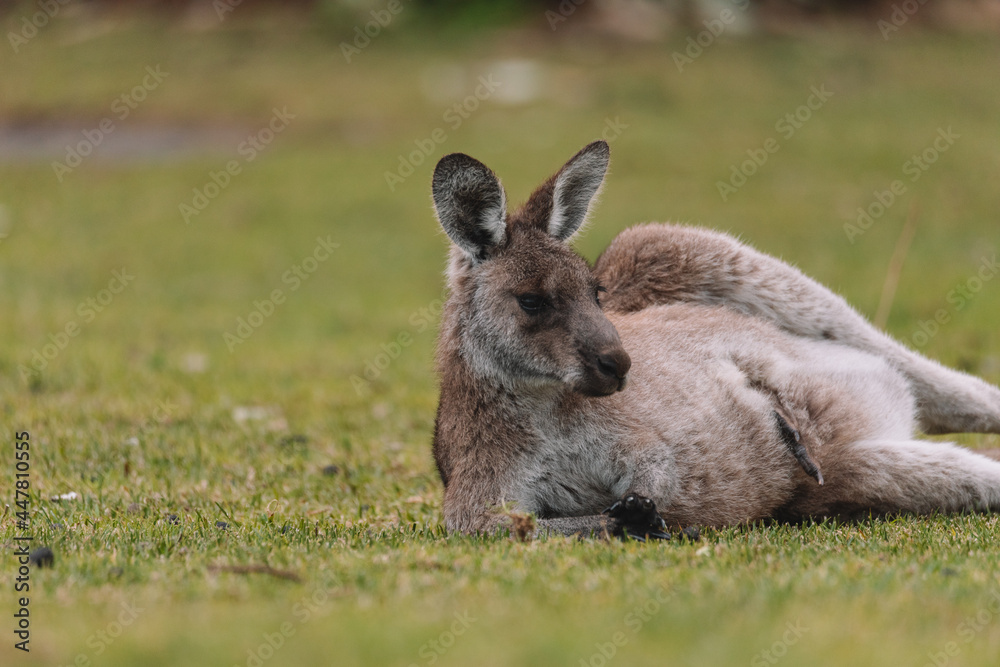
[138, 413]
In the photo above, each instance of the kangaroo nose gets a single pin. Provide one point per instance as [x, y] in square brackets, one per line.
[615, 363]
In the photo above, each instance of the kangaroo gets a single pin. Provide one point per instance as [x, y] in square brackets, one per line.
[685, 379]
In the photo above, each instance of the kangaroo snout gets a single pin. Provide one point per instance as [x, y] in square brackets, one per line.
[606, 371]
[614, 363]
[605, 362]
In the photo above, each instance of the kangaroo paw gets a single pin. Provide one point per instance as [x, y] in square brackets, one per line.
[635, 516]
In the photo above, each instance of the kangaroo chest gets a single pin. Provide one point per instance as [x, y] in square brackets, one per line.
[572, 472]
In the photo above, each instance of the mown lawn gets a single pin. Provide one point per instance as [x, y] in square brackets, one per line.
[195, 450]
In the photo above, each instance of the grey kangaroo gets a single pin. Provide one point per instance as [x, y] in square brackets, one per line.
[684, 380]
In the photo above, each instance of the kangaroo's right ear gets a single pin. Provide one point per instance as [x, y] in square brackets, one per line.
[470, 204]
[576, 185]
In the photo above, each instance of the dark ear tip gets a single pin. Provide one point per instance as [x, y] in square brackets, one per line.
[599, 146]
[451, 161]
[457, 162]
[595, 150]
[455, 158]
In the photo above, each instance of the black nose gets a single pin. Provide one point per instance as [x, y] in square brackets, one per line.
[614, 363]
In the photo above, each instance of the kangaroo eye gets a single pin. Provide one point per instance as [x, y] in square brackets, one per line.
[597, 294]
[531, 303]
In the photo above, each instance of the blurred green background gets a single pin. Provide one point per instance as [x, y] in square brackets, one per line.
[220, 276]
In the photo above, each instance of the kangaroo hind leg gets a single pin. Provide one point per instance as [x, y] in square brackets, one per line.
[887, 477]
[657, 264]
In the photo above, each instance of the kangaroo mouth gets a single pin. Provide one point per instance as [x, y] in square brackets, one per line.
[601, 385]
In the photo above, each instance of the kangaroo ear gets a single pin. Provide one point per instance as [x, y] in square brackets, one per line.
[577, 183]
[470, 204]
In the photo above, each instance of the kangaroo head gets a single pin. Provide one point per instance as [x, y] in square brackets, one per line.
[530, 308]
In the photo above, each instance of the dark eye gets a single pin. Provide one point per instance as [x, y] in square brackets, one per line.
[597, 294]
[531, 303]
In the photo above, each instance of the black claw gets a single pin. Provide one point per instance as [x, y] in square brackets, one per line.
[636, 517]
[793, 440]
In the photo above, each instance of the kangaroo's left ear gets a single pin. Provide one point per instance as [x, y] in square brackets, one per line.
[577, 183]
[470, 204]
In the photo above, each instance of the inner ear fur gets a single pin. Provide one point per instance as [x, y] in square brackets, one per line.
[575, 187]
[470, 204]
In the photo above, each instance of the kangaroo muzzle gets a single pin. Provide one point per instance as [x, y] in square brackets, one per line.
[615, 364]
[606, 363]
